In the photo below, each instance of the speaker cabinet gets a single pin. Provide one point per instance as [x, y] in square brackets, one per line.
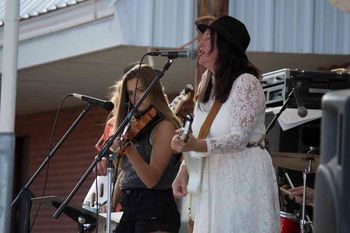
[332, 190]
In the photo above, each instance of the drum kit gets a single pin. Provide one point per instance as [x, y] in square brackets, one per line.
[306, 163]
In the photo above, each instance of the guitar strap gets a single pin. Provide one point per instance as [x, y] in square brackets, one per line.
[203, 133]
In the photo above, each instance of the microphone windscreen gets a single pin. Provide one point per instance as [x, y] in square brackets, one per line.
[302, 111]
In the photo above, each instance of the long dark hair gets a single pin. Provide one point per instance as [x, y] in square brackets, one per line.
[229, 65]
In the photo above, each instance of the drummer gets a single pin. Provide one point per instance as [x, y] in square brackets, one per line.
[297, 195]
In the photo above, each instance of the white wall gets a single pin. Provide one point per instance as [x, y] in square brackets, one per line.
[294, 26]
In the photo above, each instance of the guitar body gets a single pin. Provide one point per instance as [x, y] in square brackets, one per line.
[96, 199]
[194, 164]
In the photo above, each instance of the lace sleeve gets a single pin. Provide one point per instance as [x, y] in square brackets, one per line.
[246, 101]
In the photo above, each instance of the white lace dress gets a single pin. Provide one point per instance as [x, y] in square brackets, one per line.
[239, 190]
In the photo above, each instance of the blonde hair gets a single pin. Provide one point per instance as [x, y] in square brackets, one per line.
[158, 99]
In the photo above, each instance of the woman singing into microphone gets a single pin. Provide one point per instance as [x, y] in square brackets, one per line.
[239, 189]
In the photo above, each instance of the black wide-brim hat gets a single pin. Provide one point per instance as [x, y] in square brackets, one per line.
[232, 30]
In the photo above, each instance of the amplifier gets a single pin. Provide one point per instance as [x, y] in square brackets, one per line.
[312, 86]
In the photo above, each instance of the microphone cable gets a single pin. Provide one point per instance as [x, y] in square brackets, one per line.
[48, 152]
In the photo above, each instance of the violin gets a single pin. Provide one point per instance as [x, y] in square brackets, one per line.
[175, 105]
[140, 123]
[135, 128]
[130, 133]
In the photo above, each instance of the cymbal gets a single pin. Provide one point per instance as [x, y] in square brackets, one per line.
[295, 161]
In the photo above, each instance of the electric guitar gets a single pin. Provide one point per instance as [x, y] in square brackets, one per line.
[96, 198]
[194, 164]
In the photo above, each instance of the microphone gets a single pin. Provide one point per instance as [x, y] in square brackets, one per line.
[190, 53]
[302, 111]
[94, 101]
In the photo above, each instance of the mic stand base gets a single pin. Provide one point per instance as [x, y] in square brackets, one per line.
[26, 199]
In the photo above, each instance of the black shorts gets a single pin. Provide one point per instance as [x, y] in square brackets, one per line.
[148, 210]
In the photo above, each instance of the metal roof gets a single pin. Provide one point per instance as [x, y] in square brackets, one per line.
[34, 8]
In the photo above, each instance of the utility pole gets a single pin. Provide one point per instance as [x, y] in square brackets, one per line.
[7, 111]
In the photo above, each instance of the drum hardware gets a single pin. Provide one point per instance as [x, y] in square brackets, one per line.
[305, 219]
[289, 223]
[295, 161]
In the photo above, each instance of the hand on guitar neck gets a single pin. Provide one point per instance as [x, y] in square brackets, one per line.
[180, 183]
[184, 141]
[183, 136]
[186, 130]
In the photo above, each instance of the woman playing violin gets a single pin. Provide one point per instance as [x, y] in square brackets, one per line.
[149, 163]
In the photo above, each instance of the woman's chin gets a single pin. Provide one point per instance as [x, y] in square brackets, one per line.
[202, 62]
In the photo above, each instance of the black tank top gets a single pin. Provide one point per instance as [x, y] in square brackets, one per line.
[144, 147]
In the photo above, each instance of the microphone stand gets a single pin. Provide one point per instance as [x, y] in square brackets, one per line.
[25, 193]
[105, 149]
[284, 106]
[110, 180]
[110, 172]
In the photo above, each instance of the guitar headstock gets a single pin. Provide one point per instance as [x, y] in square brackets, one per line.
[184, 96]
[188, 89]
